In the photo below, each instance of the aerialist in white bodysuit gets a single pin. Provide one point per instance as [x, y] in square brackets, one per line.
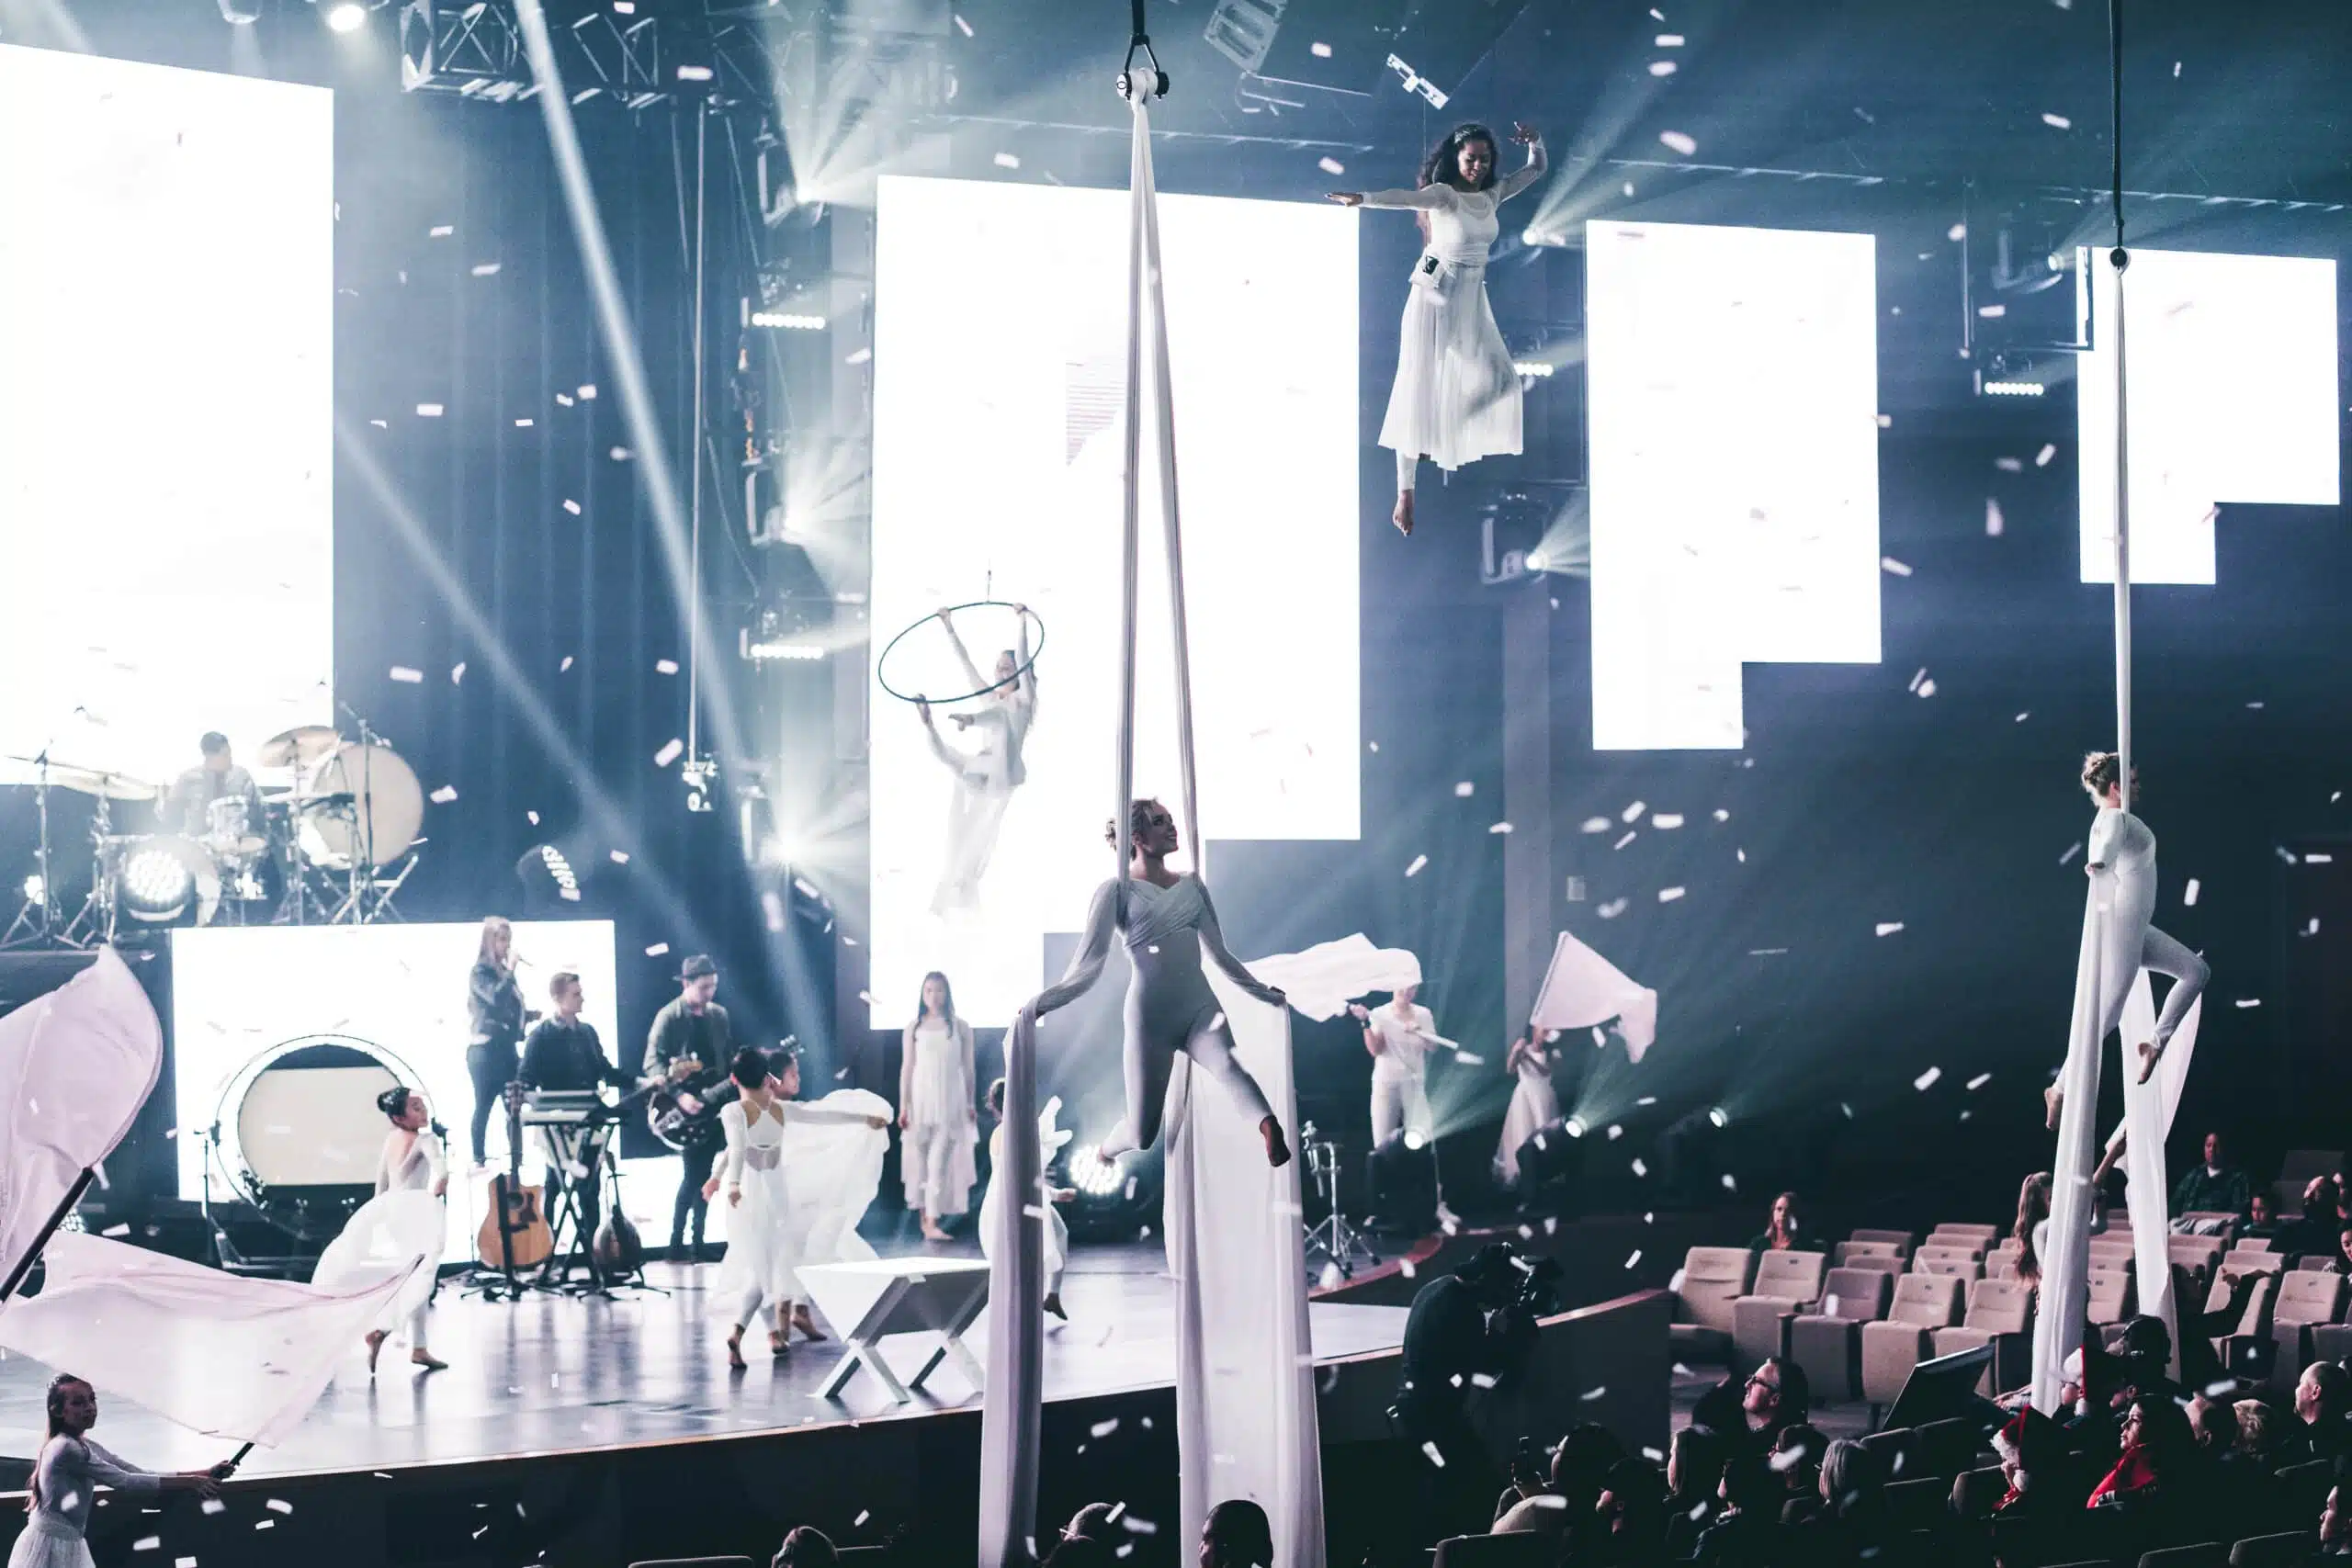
[2124, 851]
[1167, 921]
[985, 779]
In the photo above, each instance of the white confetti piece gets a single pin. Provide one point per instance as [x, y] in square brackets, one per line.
[1464, 789]
[1927, 688]
[1920, 676]
[440, 230]
[1678, 142]
[1888, 927]
[565, 666]
[1730, 1185]
[1007, 160]
[2248, 1002]
[1418, 862]
[668, 753]
[1993, 523]
[572, 507]
[665, 666]
[588, 392]
[1979, 1081]
[620, 454]
[2009, 465]
[657, 950]
[1467, 1060]
[457, 672]
[2049, 450]
[407, 676]
[1435, 1458]
[1641, 1170]
[444, 795]
[1500, 828]
[1141, 1526]
[125, 1229]
[1596, 824]
[214, 1506]
[2072, 851]
[2188, 894]
[147, 1543]
[1667, 821]
[533, 818]
[486, 269]
[1626, 838]
[1610, 910]
[2057, 121]
[1633, 813]
[1636, 1258]
[1668, 895]
[2023, 717]
[1330, 1278]
[620, 857]
[1405, 1267]
[863, 1515]
[1662, 68]
[1589, 1395]
[523, 425]
[428, 411]
[1332, 166]
[1889, 564]
[1927, 1080]
[1957, 232]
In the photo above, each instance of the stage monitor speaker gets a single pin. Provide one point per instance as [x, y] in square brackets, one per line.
[1401, 1175]
[1939, 1390]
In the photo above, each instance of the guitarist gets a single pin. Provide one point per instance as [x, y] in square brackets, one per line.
[691, 1046]
[563, 1054]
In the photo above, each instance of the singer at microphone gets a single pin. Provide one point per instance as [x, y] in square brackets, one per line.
[494, 1011]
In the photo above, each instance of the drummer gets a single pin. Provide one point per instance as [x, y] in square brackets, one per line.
[187, 807]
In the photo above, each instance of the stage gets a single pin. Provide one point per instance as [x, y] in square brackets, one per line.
[552, 1374]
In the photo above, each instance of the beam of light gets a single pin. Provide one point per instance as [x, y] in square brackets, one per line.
[347, 18]
[628, 364]
[44, 23]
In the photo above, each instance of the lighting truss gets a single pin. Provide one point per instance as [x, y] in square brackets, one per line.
[475, 51]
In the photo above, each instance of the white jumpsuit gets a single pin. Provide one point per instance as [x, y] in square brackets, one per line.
[985, 778]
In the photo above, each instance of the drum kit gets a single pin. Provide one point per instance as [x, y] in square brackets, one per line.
[328, 835]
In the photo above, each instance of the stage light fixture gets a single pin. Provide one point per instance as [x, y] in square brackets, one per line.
[1416, 82]
[156, 885]
[1531, 367]
[347, 18]
[1576, 1127]
[1719, 1116]
[240, 13]
[1093, 1176]
[2013, 389]
[788, 321]
[1537, 561]
[35, 889]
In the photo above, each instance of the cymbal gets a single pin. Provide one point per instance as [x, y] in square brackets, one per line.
[299, 747]
[94, 781]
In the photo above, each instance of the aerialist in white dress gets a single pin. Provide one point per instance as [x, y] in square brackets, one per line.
[2123, 851]
[67, 1473]
[1167, 921]
[937, 1109]
[1456, 396]
[986, 778]
[1049, 1139]
[1534, 1103]
[412, 1161]
[764, 1233]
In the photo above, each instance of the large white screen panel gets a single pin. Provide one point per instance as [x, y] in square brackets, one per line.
[238, 991]
[166, 326]
[1733, 397]
[999, 359]
[2232, 389]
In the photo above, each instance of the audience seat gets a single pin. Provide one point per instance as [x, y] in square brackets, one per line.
[1899, 1240]
[2315, 1263]
[2331, 1341]
[2113, 1250]
[2244, 1258]
[2110, 1295]
[694, 1563]
[1923, 1303]
[2000, 1314]
[2304, 1301]
[1786, 1283]
[1828, 1343]
[2284, 1550]
[1988, 1234]
[1944, 1448]
[1892, 1448]
[1713, 1278]
[1947, 1260]
[1527, 1549]
[2205, 1554]
[1892, 1268]
[2197, 1252]
[2306, 1487]
[1976, 1493]
[1847, 1250]
[2252, 1244]
[1917, 1504]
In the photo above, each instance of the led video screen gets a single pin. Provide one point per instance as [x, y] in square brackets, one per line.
[166, 440]
[1733, 398]
[999, 426]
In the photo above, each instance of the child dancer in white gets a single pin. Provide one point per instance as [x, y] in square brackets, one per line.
[1457, 395]
[935, 1109]
[985, 779]
[1056, 1232]
[412, 1161]
[70, 1470]
[1167, 919]
[1533, 1101]
[763, 1254]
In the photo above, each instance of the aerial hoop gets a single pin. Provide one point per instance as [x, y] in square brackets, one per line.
[1036, 646]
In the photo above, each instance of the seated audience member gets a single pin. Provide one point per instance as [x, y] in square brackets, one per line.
[2158, 1461]
[1694, 1472]
[2035, 1464]
[2342, 1262]
[1630, 1515]
[2321, 1397]
[1236, 1534]
[2314, 1232]
[2215, 1187]
[1580, 1465]
[2336, 1524]
[1780, 1229]
[2201, 1365]
[806, 1547]
[2147, 1357]
[2263, 1223]
[2214, 1424]
[2260, 1442]
[1848, 1523]
[1750, 1413]
[1797, 1457]
[1748, 1532]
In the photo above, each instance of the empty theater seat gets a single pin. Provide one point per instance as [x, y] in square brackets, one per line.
[1786, 1284]
[2000, 1313]
[1923, 1303]
[1713, 1278]
[1948, 1260]
[2304, 1301]
[1828, 1341]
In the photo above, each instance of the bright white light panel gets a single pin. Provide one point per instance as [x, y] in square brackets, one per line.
[2231, 362]
[1000, 363]
[166, 444]
[1733, 398]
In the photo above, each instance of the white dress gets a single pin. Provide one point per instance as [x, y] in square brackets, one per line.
[985, 778]
[1456, 397]
[767, 1232]
[68, 1471]
[1534, 1103]
[1056, 1232]
[403, 1220]
[943, 1132]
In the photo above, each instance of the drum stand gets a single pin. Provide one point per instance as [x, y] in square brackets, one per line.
[1336, 1240]
[94, 924]
[37, 923]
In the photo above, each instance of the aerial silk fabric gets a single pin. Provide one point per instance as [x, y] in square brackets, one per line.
[220, 1354]
[1015, 1399]
[2172, 1067]
[75, 1065]
[386, 1233]
[1582, 989]
[1323, 979]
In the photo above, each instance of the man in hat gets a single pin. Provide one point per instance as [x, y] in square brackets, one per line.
[690, 1046]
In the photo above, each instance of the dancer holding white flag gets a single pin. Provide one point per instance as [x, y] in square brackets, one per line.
[71, 1466]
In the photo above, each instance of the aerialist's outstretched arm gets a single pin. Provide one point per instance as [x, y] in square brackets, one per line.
[1213, 939]
[1086, 964]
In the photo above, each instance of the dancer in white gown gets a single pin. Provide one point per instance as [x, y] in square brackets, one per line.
[412, 1161]
[935, 1109]
[1056, 1232]
[1167, 919]
[1533, 1101]
[68, 1472]
[986, 778]
[1457, 395]
[763, 1231]
[2123, 851]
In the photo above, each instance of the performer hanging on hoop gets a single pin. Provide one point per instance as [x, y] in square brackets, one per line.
[1168, 920]
[68, 1472]
[188, 808]
[563, 1054]
[412, 1161]
[692, 1046]
[986, 778]
[1456, 396]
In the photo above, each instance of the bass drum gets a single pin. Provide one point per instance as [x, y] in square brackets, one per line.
[360, 807]
[299, 1131]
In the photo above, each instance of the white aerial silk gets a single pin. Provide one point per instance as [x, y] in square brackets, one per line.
[75, 1065]
[1582, 989]
[220, 1354]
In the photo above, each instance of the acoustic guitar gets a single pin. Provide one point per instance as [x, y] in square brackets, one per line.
[514, 1234]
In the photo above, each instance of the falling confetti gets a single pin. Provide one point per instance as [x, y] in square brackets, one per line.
[657, 950]
[486, 269]
[1610, 910]
[428, 411]
[1633, 1259]
[1598, 824]
[1927, 1080]
[1678, 142]
[1500, 828]
[2042, 459]
[2248, 1002]
[2072, 851]
[1668, 895]
[407, 676]
[1007, 160]
[440, 230]
[620, 857]
[445, 795]
[1994, 522]
[1888, 927]
[1662, 68]
[1889, 564]
[1435, 1458]
[1332, 166]
[668, 753]
[1418, 862]
[2188, 894]
[2057, 121]
[1464, 789]
[1630, 835]
[1979, 1081]
[565, 665]
[1667, 821]
[458, 672]
[2009, 465]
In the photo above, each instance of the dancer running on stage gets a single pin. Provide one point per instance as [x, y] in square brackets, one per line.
[1056, 1232]
[935, 1109]
[985, 779]
[494, 1009]
[761, 1231]
[412, 1161]
[1456, 396]
[1533, 1101]
[70, 1470]
[1167, 921]
[1398, 1033]
[2124, 851]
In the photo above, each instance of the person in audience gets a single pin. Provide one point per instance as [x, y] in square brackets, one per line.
[806, 1547]
[2215, 1187]
[1694, 1473]
[1749, 1531]
[1798, 1450]
[2342, 1262]
[2033, 1213]
[2159, 1454]
[2146, 1358]
[2262, 1218]
[1567, 1507]
[1629, 1516]
[2215, 1425]
[1780, 1229]
[1472, 1323]
[2035, 1464]
[1750, 1414]
[2314, 1234]
[2336, 1524]
[2200, 1364]
[1849, 1524]
[2321, 1396]
[1236, 1534]
[2260, 1439]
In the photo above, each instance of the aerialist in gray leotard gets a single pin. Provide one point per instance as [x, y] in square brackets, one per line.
[1168, 920]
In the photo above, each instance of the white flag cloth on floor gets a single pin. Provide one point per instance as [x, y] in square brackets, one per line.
[75, 1065]
[1323, 979]
[1245, 1367]
[1582, 989]
[219, 1354]
[387, 1231]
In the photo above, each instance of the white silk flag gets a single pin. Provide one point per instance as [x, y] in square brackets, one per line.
[1321, 981]
[1582, 989]
[75, 1065]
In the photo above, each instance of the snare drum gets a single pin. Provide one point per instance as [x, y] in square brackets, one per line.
[229, 832]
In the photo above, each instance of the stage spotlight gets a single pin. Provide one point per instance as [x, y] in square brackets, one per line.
[1093, 1176]
[1576, 1128]
[35, 889]
[1537, 561]
[788, 321]
[347, 18]
[240, 13]
[1719, 1116]
[155, 884]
